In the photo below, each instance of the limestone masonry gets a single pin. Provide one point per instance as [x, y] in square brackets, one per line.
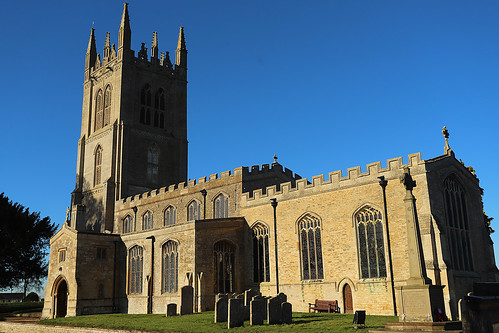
[406, 239]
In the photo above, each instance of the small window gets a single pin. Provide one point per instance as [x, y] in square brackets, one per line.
[128, 224]
[170, 215]
[147, 222]
[62, 255]
[193, 211]
[101, 253]
[221, 207]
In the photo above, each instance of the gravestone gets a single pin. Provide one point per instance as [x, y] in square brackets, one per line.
[236, 313]
[282, 297]
[258, 310]
[274, 310]
[286, 313]
[171, 309]
[248, 296]
[186, 296]
[221, 309]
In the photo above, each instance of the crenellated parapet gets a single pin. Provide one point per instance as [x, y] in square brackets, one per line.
[335, 180]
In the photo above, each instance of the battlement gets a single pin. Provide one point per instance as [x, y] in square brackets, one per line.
[266, 169]
[335, 179]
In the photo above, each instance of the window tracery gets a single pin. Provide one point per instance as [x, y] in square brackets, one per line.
[98, 111]
[221, 207]
[224, 267]
[135, 262]
[261, 262]
[97, 166]
[170, 267]
[152, 164]
[193, 211]
[147, 221]
[170, 215]
[128, 224]
[371, 243]
[311, 247]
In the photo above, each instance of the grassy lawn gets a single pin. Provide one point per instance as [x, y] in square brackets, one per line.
[203, 322]
[21, 307]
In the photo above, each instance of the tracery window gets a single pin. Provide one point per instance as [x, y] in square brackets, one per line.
[152, 164]
[311, 247]
[170, 267]
[224, 267]
[98, 111]
[261, 263]
[135, 262]
[159, 102]
[193, 211]
[107, 106]
[128, 224]
[147, 221]
[160, 105]
[170, 215]
[145, 102]
[371, 243]
[97, 166]
[221, 207]
[457, 222]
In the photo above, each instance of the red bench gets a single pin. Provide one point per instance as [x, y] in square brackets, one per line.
[323, 306]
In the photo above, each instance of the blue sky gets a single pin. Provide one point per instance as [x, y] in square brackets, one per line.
[325, 85]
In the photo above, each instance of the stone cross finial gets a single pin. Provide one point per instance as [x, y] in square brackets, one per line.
[275, 158]
[407, 180]
[67, 214]
[447, 149]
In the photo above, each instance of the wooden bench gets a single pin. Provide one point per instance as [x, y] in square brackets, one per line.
[321, 305]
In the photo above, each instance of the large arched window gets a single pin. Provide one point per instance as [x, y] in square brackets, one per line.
[224, 267]
[170, 215]
[311, 247]
[98, 166]
[135, 262]
[152, 164]
[170, 267]
[193, 211]
[261, 263]
[107, 106]
[128, 224]
[147, 221]
[221, 207]
[457, 222]
[98, 110]
[370, 241]
[145, 105]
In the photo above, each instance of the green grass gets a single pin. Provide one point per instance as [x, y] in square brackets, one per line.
[203, 322]
[21, 307]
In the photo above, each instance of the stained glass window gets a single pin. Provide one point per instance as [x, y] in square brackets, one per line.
[311, 247]
[371, 243]
[135, 262]
[261, 262]
[170, 267]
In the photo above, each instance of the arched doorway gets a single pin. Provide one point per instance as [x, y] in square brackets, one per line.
[61, 297]
[347, 299]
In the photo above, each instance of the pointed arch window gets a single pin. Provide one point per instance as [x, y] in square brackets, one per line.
[458, 225]
[98, 166]
[170, 215]
[371, 243]
[159, 101]
[170, 267]
[224, 267]
[107, 106]
[152, 164]
[311, 247]
[128, 224]
[193, 211]
[261, 262]
[135, 270]
[145, 103]
[98, 110]
[221, 207]
[147, 221]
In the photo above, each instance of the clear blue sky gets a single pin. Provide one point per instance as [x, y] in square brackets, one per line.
[325, 85]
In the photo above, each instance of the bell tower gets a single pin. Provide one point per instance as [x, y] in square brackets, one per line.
[133, 128]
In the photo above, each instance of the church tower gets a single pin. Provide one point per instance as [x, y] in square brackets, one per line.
[134, 126]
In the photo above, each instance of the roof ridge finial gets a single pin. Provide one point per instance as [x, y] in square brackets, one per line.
[447, 148]
[275, 159]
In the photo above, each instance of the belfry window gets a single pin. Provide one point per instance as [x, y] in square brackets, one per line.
[107, 106]
[147, 221]
[170, 215]
[135, 262]
[98, 111]
[261, 263]
[170, 267]
[370, 242]
[152, 164]
[97, 166]
[128, 224]
[221, 207]
[224, 267]
[311, 247]
[193, 211]
[145, 103]
[457, 222]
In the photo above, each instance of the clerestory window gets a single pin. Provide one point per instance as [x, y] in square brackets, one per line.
[128, 224]
[147, 221]
[221, 207]
[193, 211]
[170, 215]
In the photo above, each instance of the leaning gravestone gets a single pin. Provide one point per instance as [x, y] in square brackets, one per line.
[258, 310]
[221, 308]
[171, 309]
[286, 313]
[236, 313]
[274, 310]
[186, 296]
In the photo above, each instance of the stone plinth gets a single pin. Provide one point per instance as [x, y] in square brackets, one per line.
[419, 302]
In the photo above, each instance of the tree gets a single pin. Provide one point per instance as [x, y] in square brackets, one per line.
[31, 297]
[24, 240]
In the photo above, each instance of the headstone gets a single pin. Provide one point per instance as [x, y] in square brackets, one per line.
[283, 297]
[186, 296]
[171, 309]
[258, 310]
[274, 310]
[221, 309]
[286, 313]
[236, 313]
[248, 296]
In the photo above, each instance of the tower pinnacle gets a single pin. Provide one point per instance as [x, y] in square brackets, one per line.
[107, 47]
[447, 149]
[154, 45]
[125, 34]
[181, 52]
[91, 54]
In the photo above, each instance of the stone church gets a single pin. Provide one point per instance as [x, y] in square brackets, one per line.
[405, 239]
